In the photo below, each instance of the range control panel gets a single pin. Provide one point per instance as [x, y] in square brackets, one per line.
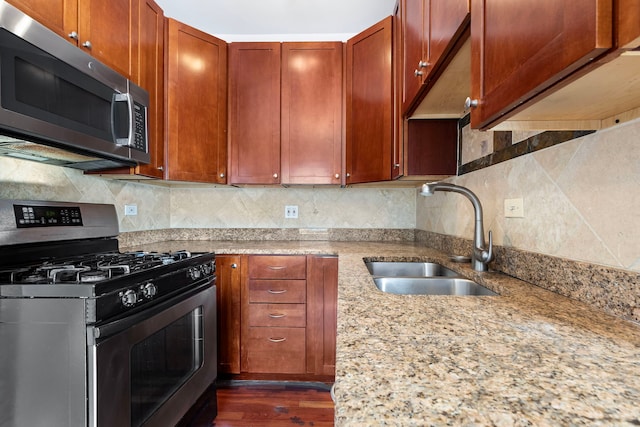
[47, 216]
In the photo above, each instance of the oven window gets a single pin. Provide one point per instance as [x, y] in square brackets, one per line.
[163, 362]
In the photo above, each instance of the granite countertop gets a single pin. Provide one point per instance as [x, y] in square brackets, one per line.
[526, 357]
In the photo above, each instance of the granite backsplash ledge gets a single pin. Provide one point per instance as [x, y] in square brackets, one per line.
[612, 290]
[136, 238]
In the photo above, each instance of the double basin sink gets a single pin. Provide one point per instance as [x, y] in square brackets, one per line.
[422, 278]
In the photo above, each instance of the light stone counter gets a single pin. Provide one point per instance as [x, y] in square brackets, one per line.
[528, 357]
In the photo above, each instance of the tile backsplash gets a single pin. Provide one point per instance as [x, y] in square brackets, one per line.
[581, 200]
[162, 207]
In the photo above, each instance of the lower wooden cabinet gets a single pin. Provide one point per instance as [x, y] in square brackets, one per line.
[277, 315]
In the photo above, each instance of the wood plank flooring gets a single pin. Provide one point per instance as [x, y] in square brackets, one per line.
[274, 405]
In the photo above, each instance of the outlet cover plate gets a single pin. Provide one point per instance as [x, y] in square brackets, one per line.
[514, 208]
[130, 210]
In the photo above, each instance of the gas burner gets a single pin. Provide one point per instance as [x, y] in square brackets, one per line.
[93, 276]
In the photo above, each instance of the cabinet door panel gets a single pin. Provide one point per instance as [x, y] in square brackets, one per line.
[228, 285]
[196, 105]
[446, 22]
[369, 126]
[521, 48]
[109, 27]
[412, 27]
[60, 16]
[149, 74]
[254, 115]
[311, 128]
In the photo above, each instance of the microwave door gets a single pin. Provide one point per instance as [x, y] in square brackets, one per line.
[54, 103]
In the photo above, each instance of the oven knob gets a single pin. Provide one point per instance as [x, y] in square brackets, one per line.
[194, 273]
[129, 298]
[149, 290]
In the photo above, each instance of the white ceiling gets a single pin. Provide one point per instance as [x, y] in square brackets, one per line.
[279, 20]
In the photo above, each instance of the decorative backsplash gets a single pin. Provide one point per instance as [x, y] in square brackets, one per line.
[580, 200]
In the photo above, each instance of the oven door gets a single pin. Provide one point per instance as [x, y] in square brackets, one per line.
[150, 368]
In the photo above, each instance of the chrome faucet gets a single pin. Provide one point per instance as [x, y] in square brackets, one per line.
[480, 256]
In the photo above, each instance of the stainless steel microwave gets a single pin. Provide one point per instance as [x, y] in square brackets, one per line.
[59, 105]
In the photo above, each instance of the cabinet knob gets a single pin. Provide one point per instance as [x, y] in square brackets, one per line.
[160, 168]
[337, 176]
[397, 165]
[234, 265]
[417, 73]
[423, 64]
[73, 35]
[275, 175]
[468, 103]
[222, 175]
[348, 175]
[87, 44]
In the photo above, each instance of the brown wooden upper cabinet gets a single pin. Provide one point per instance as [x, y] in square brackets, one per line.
[286, 126]
[104, 29]
[196, 106]
[254, 113]
[525, 52]
[430, 32]
[370, 105]
[150, 75]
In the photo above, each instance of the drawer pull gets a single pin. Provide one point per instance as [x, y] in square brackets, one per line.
[281, 291]
[277, 315]
[276, 267]
[281, 339]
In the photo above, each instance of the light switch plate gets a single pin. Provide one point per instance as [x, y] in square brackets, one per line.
[291, 211]
[514, 208]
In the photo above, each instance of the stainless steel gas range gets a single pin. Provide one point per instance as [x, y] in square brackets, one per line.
[91, 336]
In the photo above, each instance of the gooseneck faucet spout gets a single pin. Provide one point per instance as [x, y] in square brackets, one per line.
[481, 255]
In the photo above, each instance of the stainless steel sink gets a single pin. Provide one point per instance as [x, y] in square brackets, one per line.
[408, 269]
[431, 286]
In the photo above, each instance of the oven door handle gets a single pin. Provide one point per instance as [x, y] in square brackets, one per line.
[102, 331]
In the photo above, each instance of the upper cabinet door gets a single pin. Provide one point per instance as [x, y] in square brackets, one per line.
[254, 113]
[369, 126]
[60, 16]
[431, 30]
[414, 53]
[311, 113]
[520, 48]
[196, 105]
[106, 30]
[149, 74]
[447, 20]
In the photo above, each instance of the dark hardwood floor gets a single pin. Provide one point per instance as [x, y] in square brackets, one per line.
[269, 404]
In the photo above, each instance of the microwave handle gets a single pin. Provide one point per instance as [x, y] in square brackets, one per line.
[123, 97]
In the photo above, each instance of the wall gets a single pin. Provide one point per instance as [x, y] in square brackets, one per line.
[21, 179]
[581, 200]
[212, 207]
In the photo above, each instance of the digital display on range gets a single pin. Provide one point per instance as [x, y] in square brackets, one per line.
[47, 216]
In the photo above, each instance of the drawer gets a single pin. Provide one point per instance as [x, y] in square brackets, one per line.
[291, 315]
[278, 291]
[277, 267]
[276, 350]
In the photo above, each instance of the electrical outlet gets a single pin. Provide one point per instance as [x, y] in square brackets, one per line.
[291, 211]
[514, 208]
[130, 210]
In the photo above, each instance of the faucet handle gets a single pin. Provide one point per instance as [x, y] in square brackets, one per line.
[488, 254]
